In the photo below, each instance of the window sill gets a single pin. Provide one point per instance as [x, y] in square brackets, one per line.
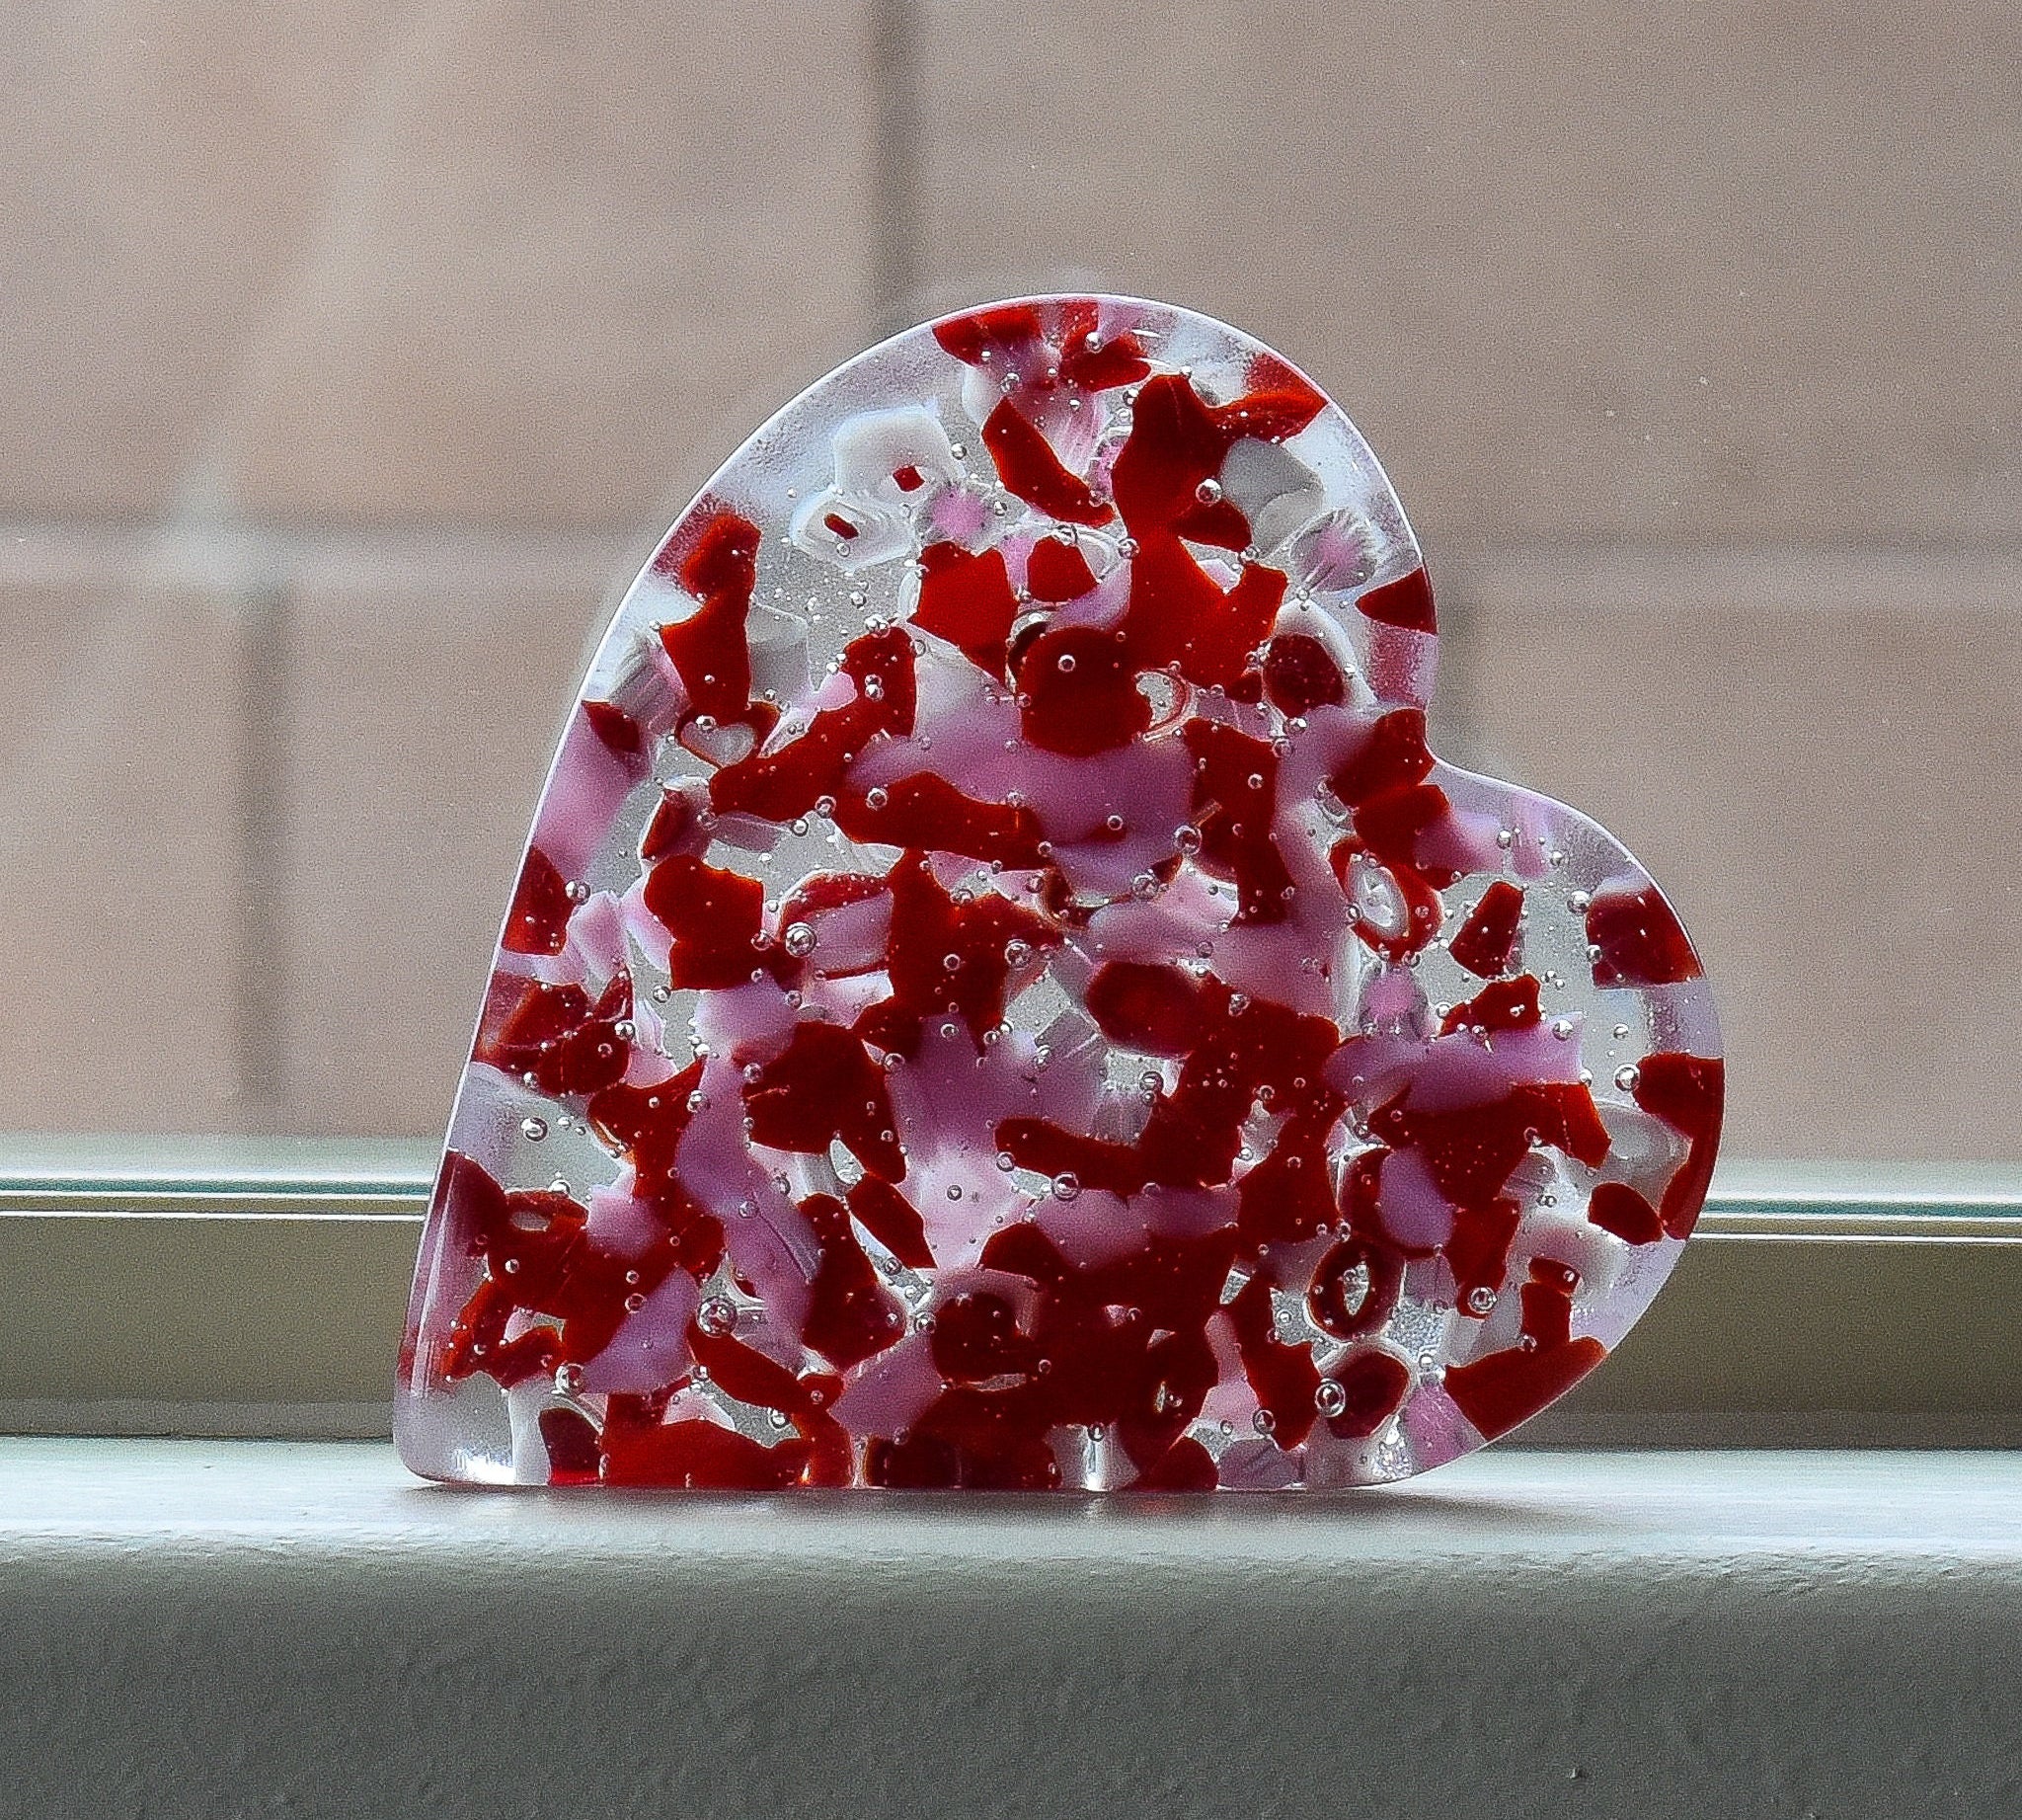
[207, 1627]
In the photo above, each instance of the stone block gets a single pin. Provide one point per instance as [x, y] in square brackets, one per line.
[1817, 760]
[578, 255]
[1696, 275]
[426, 693]
[168, 169]
[123, 875]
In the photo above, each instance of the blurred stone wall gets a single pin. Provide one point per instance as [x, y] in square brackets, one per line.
[356, 353]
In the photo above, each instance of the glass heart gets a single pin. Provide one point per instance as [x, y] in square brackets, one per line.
[1000, 995]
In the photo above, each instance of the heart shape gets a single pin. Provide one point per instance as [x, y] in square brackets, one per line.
[999, 994]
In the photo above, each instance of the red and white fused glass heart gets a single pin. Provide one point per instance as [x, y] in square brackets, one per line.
[1000, 995]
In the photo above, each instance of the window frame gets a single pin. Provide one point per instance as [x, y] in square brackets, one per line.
[256, 1287]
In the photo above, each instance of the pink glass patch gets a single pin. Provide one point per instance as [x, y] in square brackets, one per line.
[999, 994]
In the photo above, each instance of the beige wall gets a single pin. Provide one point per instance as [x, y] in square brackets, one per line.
[355, 353]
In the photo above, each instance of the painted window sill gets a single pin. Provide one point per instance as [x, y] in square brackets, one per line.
[211, 1628]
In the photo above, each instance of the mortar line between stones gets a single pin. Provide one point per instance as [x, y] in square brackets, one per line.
[260, 1050]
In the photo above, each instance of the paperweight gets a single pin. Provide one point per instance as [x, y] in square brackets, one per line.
[1000, 995]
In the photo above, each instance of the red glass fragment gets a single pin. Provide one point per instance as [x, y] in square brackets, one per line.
[1688, 1093]
[1506, 1388]
[622, 736]
[1617, 1208]
[968, 600]
[823, 1087]
[792, 779]
[538, 921]
[673, 828]
[1097, 367]
[1235, 802]
[851, 1314]
[947, 959]
[1300, 674]
[709, 648]
[1355, 1287]
[539, 1259]
[1284, 1376]
[715, 917]
[1371, 1385]
[698, 1456]
[574, 1457]
[893, 1220]
[1287, 1196]
[1003, 329]
[1158, 1009]
[976, 1336]
[1479, 1250]
[1185, 1466]
[555, 1034]
[1181, 618]
[1391, 821]
[1406, 603]
[1508, 1004]
[1640, 939]
[1485, 940]
[926, 811]
[1079, 692]
[1394, 757]
[1057, 571]
[1027, 464]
